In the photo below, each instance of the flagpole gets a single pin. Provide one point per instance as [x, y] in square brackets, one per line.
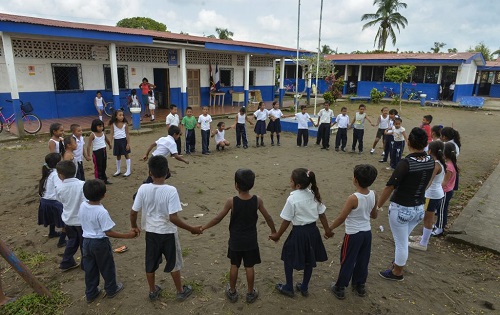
[297, 63]
[319, 50]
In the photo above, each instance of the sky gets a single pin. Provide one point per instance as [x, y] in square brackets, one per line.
[460, 24]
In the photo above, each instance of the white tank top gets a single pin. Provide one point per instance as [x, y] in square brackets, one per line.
[98, 101]
[359, 219]
[384, 122]
[435, 190]
[241, 118]
[219, 136]
[119, 133]
[99, 142]
[56, 148]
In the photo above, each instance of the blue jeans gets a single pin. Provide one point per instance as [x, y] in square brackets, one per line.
[98, 260]
[402, 221]
[205, 141]
[75, 240]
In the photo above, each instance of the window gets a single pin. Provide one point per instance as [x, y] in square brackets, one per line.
[339, 71]
[431, 74]
[449, 75]
[497, 77]
[251, 81]
[366, 73]
[290, 71]
[122, 77]
[378, 73]
[226, 77]
[67, 77]
[418, 75]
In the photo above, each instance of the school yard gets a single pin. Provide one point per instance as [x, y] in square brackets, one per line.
[447, 279]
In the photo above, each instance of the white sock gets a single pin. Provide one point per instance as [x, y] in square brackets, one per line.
[426, 234]
[153, 117]
[128, 167]
[118, 166]
[100, 118]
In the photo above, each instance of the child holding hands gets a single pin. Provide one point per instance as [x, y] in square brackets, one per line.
[218, 133]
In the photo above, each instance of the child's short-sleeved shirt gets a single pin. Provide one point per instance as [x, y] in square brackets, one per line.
[78, 152]
[302, 120]
[70, 194]
[359, 121]
[205, 121]
[189, 122]
[50, 186]
[398, 133]
[95, 220]
[157, 202]
[447, 187]
[427, 129]
[172, 120]
[151, 100]
[342, 121]
[165, 146]
[301, 208]
[261, 114]
[276, 113]
[325, 116]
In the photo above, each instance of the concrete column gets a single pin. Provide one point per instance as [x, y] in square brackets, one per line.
[359, 73]
[308, 87]
[346, 84]
[246, 86]
[183, 78]
[114, 76]
[282, 81]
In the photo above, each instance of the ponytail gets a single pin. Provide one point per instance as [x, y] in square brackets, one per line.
[314, 186]
[304, 177]
[450, 154]
[437, 149]
[51, 161]
[451, 134]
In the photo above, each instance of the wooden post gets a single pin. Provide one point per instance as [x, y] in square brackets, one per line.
[22, 270]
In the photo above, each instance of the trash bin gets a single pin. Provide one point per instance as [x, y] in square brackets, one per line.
[136, 117]
[422, 99]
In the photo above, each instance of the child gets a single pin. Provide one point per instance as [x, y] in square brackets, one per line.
[189, 123]
[79, 152]
[204, 121]
[70, 145]
[356, 247]
[99, 103]
[358, 125]
[436, 132]
[398, 145]
[166, 146]
[342, 122]
[448, 134]
[121, 141]
[146, 87]
[50, 210]
[160, 204]
[274, 125]
[260, 126]
[70, 194]
[383, 124]
[303, 246]
[449, 185]
[243, 243]
[302, 124]
[152, 105]
[241, 132]
[388, 138]
[134, 100]
[97, 141]
[97, 254]
[173, 120]
[56, 138]
[434, 195]
[220, 141]
[325, 116]
[426, 125]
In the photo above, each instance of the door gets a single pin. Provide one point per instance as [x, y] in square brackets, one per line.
[193, 87]
[162, 82]
[485, 83]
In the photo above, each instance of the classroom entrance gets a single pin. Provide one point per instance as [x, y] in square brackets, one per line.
[162, 82]
[485, 80]
[193, 87]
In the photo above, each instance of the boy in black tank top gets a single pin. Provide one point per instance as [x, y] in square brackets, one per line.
[243, 243]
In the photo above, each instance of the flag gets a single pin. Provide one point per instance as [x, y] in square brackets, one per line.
[210, 73]
[217, 77]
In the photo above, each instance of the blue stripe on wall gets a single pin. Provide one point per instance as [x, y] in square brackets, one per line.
[495, 90]
[463, 90]
[266, 91]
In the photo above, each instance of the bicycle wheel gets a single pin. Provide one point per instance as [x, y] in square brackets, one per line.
[1, 126]
[32, 124]
[108, 109]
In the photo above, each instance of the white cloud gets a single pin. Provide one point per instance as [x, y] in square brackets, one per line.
[269, 22]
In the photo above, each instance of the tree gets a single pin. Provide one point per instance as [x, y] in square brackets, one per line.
[452, 50]
[224, 33]
[496, 52]
[142, 23]
[482, 48]
[437, 47]
[326, 50]
[398, 75]
[388, 18]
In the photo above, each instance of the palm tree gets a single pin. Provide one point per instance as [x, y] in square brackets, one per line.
[224, 33]
[388, 18]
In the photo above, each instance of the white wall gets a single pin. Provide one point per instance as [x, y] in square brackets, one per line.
[466, 73]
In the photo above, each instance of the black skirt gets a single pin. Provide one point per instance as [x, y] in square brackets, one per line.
[120, 147]
[304, 246]
[49, 213]
[274, 126]
[260, 127]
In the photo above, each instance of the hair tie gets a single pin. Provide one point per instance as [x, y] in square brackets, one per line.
[308, 172]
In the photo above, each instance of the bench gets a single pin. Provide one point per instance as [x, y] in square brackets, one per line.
[471, 101]
[360, 98]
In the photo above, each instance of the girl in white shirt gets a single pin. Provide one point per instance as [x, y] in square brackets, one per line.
[97, 142]
[218, 133]
[99, 103]
[303, 246]
[121, 141]
[274, 125]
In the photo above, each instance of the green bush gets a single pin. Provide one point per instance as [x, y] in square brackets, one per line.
[35, 304]
[328, 96]
[376, 96]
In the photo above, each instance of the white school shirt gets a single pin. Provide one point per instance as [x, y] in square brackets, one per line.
[398, 133]
[157, 202]
[359, 122]
[119, 133]
[325, 116]
[151, 100]
[276, 113]
[95, 220]
[261, 114]
[205, 121]
[78, 152]
[165, 146]
[457, 149]
[302, 120]
[242, 118]
[359, 218]
[172, 120]
[70, 194]
[219, 136]
[435, 190]
[99, 142]
[50, 186]
[384, 122]
[342, 121]
[301, 208]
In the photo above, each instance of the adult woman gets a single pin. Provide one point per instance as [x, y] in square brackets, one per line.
[407, 186]
[145, 87]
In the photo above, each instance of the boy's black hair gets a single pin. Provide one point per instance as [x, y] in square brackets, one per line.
[393, 112]
[133, 92]
[365, 174]
[172, 106]
[243, 110]
[98, 92]
[189, 107]
[326, 103]
[66, 169]
[428, 118]
[95, 123]
[172, 130]
[302, 107]
[343, 107]
[73, 127]
[94, 190]
[385, 107]
[417, 138]
[68, 139]
[436, 129]
[361, 105]
[158, 166]
[220, 123]
[244, 178]
[398, 118]
[275, 102]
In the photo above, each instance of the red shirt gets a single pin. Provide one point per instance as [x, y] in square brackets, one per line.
[427, 129]
[144, 88]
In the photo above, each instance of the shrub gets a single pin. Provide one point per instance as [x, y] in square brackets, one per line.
[376, 96]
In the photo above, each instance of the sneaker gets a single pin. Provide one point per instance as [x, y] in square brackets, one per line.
[206, 153]
[382, 161]
[117, 174]
[262, 144]
[360, 152]
[217, 147]
[232, 296]
[323, 148]
[186, 291]
[107, 182]
[119, 287]
[372, 151]
[298, 287]
[359, 289]
[389, 168]
[417, 246]
[61, 245]
[281, 289]
[416, 238]
[437, 232]
[388, 275]
[245, 147]
[298, 146]
[272, 144]
[93, 298]
[69, 268]
[153, 296]
[383, 154]
[54, 235]
[353, 151]
[257, 145]
[327, 148]
[252, 297]
[279, 144]
[337, 149]
[343, 149]
[238, 146]
[339, 292]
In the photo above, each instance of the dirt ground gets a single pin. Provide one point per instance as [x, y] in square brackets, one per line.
[447, 279]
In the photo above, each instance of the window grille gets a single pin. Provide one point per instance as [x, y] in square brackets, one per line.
[258, 61]
[122, 77]
[67, 77]
[204, 58]
[226, 76]
[24, 48]
[240, 61]
[142, 54]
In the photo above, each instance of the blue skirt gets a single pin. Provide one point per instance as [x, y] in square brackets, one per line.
[304, 246]
[120, 147]
[260, 127]
[274, 126]
[49, 213]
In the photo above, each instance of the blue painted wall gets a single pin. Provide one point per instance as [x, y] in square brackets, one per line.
[364, 88]
[463, 90]
[322, 85]
[495, 90]
[266, 91]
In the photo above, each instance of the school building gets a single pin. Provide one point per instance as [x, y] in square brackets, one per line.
[59, 66]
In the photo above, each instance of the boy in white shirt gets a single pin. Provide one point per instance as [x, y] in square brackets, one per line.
[204, 121]
[174, 120]
[342, 122]
[160, 204]
[303, 129]
[79, 152]
[324, 123]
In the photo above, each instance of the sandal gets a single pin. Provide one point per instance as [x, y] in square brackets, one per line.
[121, 249]
[153, 296]
[281, 289]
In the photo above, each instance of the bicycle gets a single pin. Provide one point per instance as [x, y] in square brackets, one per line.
[32, 124]
[389, 92]
[412, 94]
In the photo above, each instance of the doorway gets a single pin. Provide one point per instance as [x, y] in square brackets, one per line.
[162, 82]
[485, 80]
[193, 87]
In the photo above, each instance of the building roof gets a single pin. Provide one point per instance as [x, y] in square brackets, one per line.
[408, 58]
[491, 66]
[15, 23]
